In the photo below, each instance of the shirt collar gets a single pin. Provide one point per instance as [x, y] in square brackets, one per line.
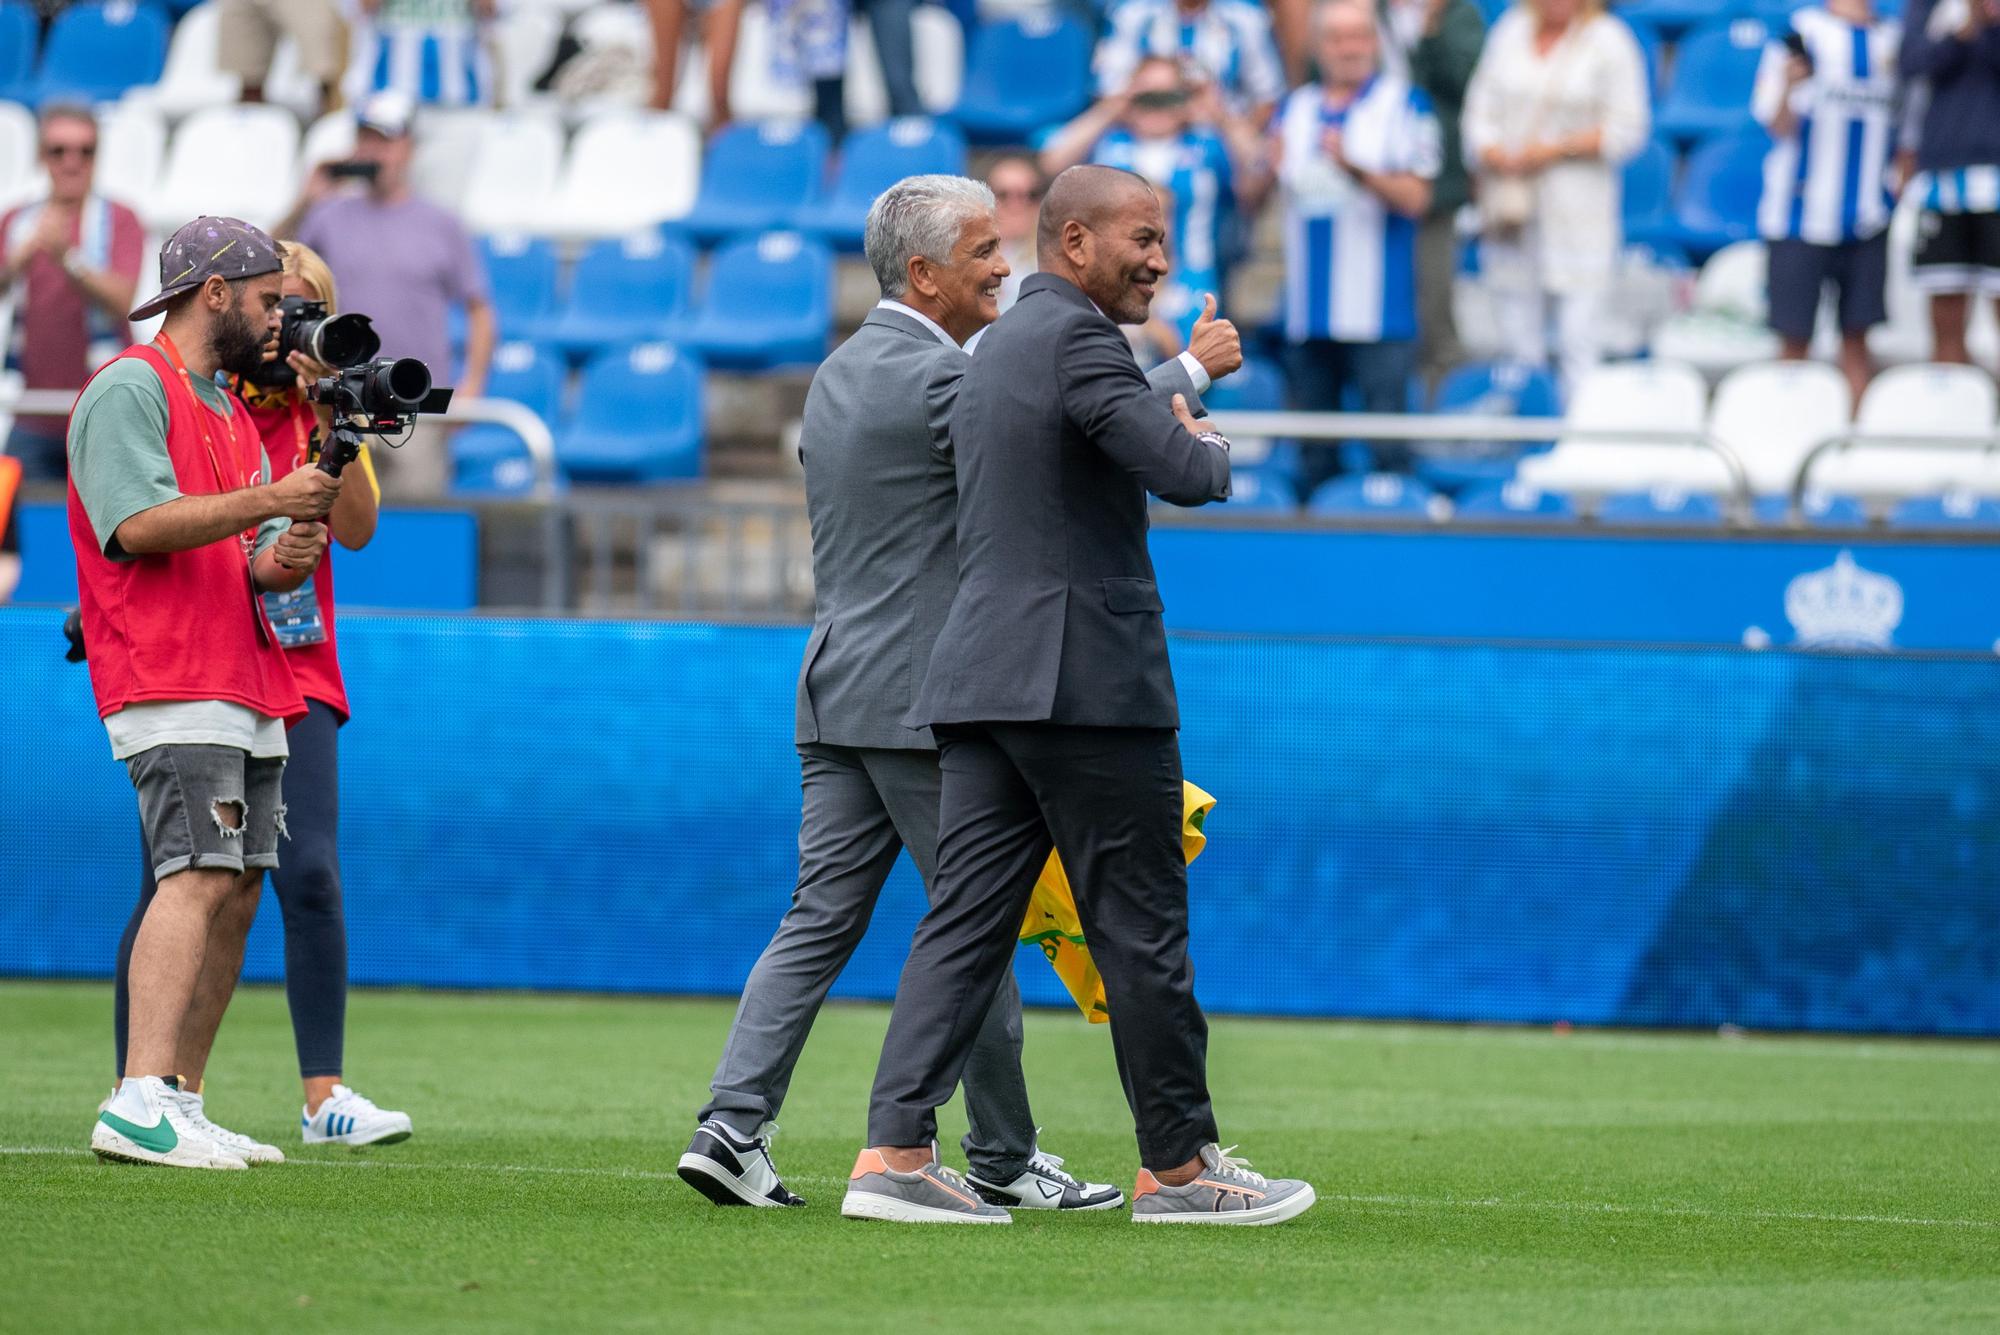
[887, 305]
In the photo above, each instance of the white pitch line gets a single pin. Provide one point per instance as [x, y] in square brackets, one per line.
[1400, 1202]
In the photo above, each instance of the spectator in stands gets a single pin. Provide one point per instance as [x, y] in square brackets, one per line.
[72, 263]
[1555, 108]
[809, 44]
[1435, 44]
[247, 41]
[719, 21]
[1171, 133]
[404, 262]
[434, 51]
[1224, 42]
[1356, 155]
[1018, 186]
[1291, 26]
[1827, 93]
[1954, 47]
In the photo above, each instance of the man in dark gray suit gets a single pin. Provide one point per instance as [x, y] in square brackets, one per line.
[882, 500]
[1053, 705]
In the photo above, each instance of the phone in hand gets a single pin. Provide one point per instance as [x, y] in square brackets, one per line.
[1796, 45]
[353, 171]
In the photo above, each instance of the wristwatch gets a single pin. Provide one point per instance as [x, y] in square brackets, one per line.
[1215, 438]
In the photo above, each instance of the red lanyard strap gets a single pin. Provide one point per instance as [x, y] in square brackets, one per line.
[238, 478]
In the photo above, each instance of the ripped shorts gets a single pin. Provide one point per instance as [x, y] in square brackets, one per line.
[209, 806]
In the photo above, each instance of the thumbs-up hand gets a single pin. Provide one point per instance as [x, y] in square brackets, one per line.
[1215, 343]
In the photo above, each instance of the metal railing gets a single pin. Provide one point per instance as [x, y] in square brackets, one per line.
[1847, 440]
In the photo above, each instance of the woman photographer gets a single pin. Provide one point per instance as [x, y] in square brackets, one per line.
[307, 881]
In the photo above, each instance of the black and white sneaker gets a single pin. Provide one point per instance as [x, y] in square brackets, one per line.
[731, 1170]
[1045, 1186]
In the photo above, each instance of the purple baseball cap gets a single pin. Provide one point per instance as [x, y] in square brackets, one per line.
[228, 247]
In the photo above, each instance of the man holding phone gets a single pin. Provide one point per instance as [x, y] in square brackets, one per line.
[1827, 91]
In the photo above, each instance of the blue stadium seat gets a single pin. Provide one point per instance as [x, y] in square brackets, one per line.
[1487, 389]
[1673, 17]
[755, 178]
[1821, 510]
[769, 304]
[1261, 491]
[20, 33]
[96, 51]
[1714, 68]
[1513, 500]
[488, 458]
[1662, 506]
[638, 418]
[1648, 195]
[1022, 75]
[871, 161]
[632, 289]
[521, 276]
[1378, 495]
[1957, 509]
[1717, 199]
[1653, 46]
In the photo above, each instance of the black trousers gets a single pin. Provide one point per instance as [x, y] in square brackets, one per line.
[1110, 800]
[307, 883]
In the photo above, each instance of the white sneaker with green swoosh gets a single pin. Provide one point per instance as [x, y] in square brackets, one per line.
[145, 1123]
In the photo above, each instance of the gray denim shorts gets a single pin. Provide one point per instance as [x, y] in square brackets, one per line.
[185, 792]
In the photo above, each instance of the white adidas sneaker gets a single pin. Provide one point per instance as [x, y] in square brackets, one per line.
[348, 1118]
[243, 1147]
[145, 1122]
[1047, 1186]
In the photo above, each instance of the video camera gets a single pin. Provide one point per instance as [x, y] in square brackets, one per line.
[377, 398]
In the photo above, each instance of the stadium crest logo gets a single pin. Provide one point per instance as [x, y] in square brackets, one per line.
[1844, 606]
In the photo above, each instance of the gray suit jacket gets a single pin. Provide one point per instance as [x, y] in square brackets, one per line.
[883, 502]
[1056, 617]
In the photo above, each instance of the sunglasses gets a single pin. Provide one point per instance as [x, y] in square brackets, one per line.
[84, 151]
[1017, 196]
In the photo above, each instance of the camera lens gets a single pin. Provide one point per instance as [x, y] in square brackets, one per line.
[342, 340]
[404, 381]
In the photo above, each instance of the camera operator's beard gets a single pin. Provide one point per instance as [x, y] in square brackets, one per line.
[239, 345]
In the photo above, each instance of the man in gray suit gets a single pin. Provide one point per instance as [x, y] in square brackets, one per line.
[1053, 705]
[882, 498]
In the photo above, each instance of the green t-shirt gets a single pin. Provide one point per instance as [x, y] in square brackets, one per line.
[118, 449]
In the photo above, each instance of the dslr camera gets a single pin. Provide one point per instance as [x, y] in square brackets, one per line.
[377, 398]
[334, 340]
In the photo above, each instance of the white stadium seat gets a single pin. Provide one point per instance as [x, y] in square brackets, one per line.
[20, 164]
[1726, 327]
[131, 151]
[524, 41]
[626, 171]
[1631, 396]
[1773, 413]
[328, 139]
[205, 172]
[516, 162]
[1923, 399]
[192, 78]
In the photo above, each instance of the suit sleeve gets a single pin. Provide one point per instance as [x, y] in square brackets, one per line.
[941, 397]
[1107, 399]
[1171, 377]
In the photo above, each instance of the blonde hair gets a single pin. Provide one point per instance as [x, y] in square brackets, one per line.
[305, 264]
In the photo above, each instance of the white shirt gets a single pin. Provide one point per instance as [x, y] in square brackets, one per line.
[1594, 78]
[1196, 372]
[152, 723]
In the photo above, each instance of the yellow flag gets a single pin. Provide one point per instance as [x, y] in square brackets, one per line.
[1052, 923]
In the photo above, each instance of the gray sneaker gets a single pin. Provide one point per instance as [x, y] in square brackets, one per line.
[933, 1194]
[1226, 1193]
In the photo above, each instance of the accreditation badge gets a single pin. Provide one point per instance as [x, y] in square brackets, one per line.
[295, 617]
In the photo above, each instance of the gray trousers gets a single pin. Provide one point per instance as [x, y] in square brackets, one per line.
[861, 808]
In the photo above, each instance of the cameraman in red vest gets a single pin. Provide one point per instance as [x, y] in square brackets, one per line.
[178, 532]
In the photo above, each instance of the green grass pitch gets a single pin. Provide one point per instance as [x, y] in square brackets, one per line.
[1470, 1180]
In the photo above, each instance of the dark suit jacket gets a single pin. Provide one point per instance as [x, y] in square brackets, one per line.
[883, 505]
[1056, 617]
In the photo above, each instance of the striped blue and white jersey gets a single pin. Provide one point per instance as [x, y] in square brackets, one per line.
[431, 50]
[1229, 39]
[1827, 181]
[1350, 261]
[1194, 169]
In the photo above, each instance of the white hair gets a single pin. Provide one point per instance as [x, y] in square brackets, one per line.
[919, 215]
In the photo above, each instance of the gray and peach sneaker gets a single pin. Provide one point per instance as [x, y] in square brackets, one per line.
[1225, 1192]
[932, 1194]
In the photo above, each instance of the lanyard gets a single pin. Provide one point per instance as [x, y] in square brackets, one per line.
[237, 479]
[302, 413]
